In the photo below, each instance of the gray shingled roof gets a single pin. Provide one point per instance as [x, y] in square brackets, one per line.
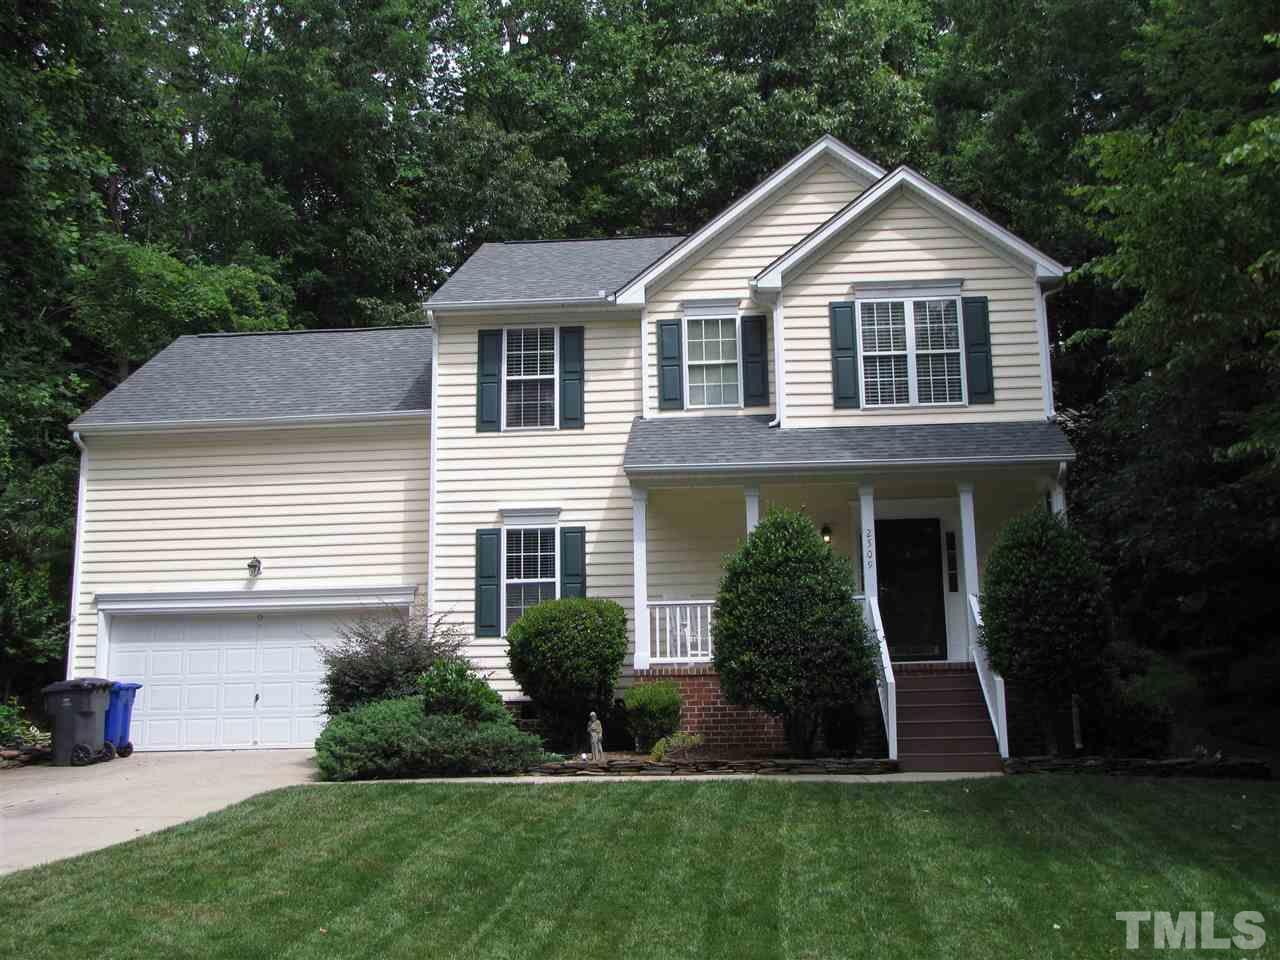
[740, 443]
[311, 373]
[550, 270]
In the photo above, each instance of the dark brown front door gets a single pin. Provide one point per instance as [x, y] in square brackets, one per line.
[909, 555]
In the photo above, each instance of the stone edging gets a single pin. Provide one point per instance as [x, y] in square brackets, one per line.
[640, 768]
[1238, 768]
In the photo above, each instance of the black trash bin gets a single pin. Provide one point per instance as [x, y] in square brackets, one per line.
[78, 709]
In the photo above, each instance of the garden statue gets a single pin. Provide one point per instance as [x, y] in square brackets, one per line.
[595, 730]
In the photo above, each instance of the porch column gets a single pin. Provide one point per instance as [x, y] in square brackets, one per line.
[968, 545]
[1058, 498]
[867, 511]
[640, 574]
[753, 508]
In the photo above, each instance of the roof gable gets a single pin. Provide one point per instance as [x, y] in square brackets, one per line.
[734, 216]
[906, 179]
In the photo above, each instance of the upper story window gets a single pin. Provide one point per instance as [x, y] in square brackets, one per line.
[712, 352]
[529, 386]
[911, 352]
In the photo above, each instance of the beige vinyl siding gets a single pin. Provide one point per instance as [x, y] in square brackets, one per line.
[908, 240]
[579, 471]
[726, 271]
[689, 532]
[320, 506]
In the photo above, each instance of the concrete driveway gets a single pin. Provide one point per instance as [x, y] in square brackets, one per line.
[47, 813]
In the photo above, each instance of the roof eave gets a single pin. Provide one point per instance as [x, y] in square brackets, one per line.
[543, 303]
[824, 465]
[242, 423]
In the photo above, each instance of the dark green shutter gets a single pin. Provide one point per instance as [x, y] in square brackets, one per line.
[755, 362]
[488, 387]
[670, 366]
[488, 592]
[573, 561]
[977, 350]
[571, 378]
[844, 355]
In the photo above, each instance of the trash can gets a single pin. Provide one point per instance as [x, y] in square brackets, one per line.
[78, 709]
[119, 713]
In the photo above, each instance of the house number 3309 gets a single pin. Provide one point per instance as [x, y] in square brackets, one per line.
[869, 554]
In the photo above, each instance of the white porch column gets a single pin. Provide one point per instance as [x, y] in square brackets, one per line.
[867, 548]
[640, 574]
[968, 542]
[753, 508]
[1058, 498]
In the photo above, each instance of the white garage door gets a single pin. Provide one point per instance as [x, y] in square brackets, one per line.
[239, 681]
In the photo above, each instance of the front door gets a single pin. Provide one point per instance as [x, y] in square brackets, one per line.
[909, 555]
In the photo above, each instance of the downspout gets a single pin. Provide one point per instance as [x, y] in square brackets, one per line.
[1042, 311]
[433, 464]
[778, 353]
[74, 618]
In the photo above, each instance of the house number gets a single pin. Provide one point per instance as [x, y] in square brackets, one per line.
[869, 556]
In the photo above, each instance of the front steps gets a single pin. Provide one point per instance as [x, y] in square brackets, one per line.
[943, 724]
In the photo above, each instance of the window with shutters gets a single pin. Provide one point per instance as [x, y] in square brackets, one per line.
[713, 360]
[529, 377]
[911, 352]
[531, 569]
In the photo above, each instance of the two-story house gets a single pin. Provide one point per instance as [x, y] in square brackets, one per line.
[601, 417]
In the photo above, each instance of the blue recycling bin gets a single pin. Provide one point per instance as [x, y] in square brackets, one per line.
[119, 713]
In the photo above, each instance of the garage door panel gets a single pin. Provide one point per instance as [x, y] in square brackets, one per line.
[200, 732]
[166, 663]
[159, 734]
[240, 660]
[201, 697]
[238, 732]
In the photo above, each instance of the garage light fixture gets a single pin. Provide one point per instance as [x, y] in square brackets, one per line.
[826, 533]
[255, 567]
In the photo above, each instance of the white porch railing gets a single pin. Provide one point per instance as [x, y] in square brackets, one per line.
[886, 686]
[992, 683]
[680, 630]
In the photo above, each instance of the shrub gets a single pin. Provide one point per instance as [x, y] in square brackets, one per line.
[381, 657]
[396, 738]
[789, 638]
[11, 725]
[567, 655]
[451, 687]
[675, 747]
[653, 711]
[1045, 619]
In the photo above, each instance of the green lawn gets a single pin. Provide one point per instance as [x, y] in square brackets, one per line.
[1012, 867]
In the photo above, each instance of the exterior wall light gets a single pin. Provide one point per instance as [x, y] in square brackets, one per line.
[255, 567]
[826, 533]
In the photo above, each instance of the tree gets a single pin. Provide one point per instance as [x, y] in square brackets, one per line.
[1044, 612]
[788, 636]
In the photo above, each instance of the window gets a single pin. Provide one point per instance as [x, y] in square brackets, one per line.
[531, 565]
[530, 382]
[911, 352]
[712, 353]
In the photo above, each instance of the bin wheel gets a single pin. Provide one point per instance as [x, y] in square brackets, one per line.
[108, 751]
[81, 755]
[126, 749]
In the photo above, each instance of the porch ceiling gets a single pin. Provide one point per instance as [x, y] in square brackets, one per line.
[743, 444]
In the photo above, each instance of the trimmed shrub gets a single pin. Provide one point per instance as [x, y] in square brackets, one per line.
[653, 711]
[452, 687]
[381, 657]
[1044, 615]
[11, 725]
[396, 738]
[789, 638]
[678, 746]
[567, 655]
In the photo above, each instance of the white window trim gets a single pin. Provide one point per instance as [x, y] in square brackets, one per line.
[913, 392]
[502, 565]
[555, 386]
[731, 314]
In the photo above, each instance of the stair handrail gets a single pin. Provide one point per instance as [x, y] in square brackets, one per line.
[991, 682]
[886, 686]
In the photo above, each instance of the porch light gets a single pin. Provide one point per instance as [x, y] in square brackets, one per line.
[255, 567]
[826, 533]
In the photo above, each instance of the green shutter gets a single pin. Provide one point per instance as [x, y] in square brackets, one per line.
[844, 355]
[755, 362]
[670, 366]
[488, 587]
[977, 350]
[488, 387]
[573, 561]
[572, 376]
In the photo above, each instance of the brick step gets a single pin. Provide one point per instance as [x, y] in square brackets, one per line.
[947, 745]
[950, 763]
[914, 728]
[943, 711]
[962, 695]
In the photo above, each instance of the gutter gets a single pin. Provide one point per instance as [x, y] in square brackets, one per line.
[248, 423]
[74, 618]
[776, 465]
[433, 471]
[606, 302]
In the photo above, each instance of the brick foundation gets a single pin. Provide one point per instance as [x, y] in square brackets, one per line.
[721, 725]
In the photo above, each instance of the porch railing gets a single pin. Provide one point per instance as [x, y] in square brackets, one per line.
[886, 686]
[992, 683]
[680, 630]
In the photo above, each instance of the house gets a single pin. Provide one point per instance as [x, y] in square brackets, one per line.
[601, 417]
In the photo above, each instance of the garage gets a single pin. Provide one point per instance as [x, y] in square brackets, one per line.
[224, 681]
